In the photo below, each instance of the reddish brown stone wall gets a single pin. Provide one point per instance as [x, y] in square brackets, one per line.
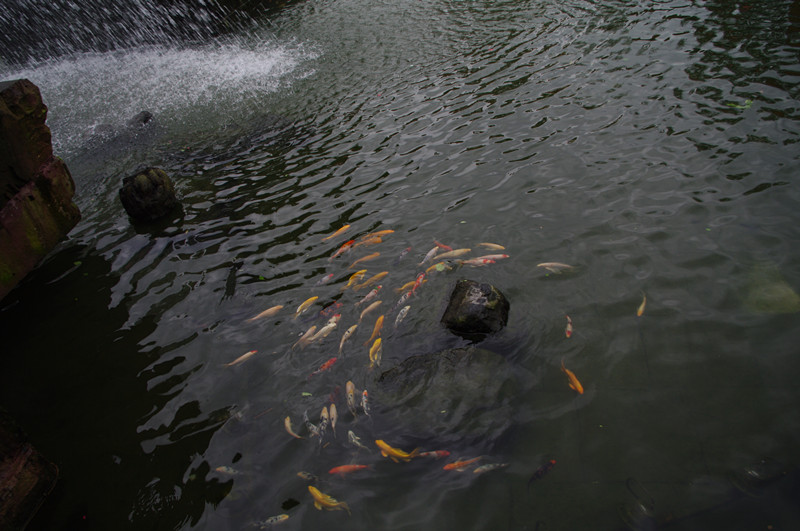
[36, 188]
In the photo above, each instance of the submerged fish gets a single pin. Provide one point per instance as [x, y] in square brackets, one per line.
[269, 312]
[429, 256]
[311, 427]
[573, 380]
[461, 464]
[343, 249]
[492, 257]
[327, 329]
[305, 339]
[377, 234]
[555, 267]
[541, 471]
[396, 454]
[304, 306]
[488, 468]
[307, 476]
[492, 246]
[376, 330]
[324, 367]
[324, 501]
[350, 393]
[568, 329]
[271, 521]
[347, 469]
[243, 357]
[355, 277]
[452, 254]
[375, 354]
[640, 309]
[438, 454]
[365, 402]
[227, 470]
[373, 279]
[368, 309]
[324, 421]
[367, 258]
[287, 423]
[355, 440]
[401, 315]
[324, 280]
[369, 296]
[338, 232]
[334, 417]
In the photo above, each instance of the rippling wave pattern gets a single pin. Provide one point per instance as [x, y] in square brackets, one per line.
[650, 146]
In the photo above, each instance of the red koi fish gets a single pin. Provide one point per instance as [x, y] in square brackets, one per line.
[343, 249]
[418, 282]
[347, 469]
[568, 329]
[541, 471]
[324, 367]
[462, 464]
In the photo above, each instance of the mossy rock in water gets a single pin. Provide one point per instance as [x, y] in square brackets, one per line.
[475, 310]
[768, 292]
[463, 394]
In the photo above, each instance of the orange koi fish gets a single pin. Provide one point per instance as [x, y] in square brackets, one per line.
[573, 380]
[347, 469]
[323, 501]
[438, 266]
[541, 471]
[418, 282]
[376, 331]
[243, 357]
[338, 232]
[442, 246]
[640, 309]
[343, 249]
[568, 329]
[324, 367]
[368, 241]
[395, 454]
[266, 313]
[461, 464]
[377, 234]
[367, 258]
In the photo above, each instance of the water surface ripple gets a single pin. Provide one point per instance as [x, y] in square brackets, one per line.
[652, 145]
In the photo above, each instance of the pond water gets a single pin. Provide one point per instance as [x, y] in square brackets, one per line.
[650, 145]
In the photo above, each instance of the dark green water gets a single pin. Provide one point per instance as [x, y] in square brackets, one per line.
[653, 145]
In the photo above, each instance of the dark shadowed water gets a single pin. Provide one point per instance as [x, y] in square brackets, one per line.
[651, 145]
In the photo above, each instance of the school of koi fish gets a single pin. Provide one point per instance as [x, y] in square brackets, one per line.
[438, 259]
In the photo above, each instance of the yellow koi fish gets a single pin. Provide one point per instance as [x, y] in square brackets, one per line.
[266, 313]
[373, 279]
[368, 241]
[369, 309]
[350, 391]
[573, 380]
[355, 277]
[324, 501]
[367, 258]
[406, 287]
[303, 307]
[452, 254]
[640, 309]
[287, 423]
[395, 454]
[376, 331]
[375, 354]
[338, 232]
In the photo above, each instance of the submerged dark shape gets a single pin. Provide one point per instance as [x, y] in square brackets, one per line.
[460, 393]
[475, 310]
[148, 195]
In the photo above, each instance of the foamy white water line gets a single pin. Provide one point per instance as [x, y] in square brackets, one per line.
[200, 87]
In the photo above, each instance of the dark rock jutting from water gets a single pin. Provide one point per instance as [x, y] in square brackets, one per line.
[475, 310]
[148, 195]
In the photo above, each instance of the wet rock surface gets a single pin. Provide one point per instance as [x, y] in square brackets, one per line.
[475, 310]
[149, 195]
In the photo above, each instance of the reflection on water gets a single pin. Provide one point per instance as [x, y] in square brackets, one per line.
[650, 145]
